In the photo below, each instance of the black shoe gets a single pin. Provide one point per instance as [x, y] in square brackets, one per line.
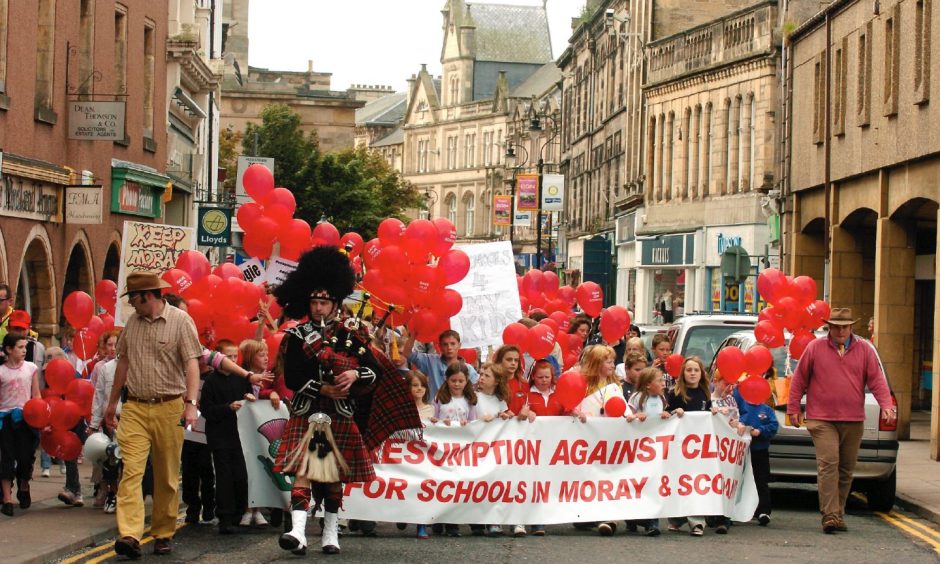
[7, 509]
[721, 530]
[763, 520]
[437, 528]
[631, 527]
[330, 549]
[192, 519]
[367, 528]
[401, 526]
[653, 532]
[208, 515]
[127, 546]
[277, 517]
[302, 551]
[25, 499]
[225, 528]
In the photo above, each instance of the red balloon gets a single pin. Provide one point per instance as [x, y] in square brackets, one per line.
[78, 309]
[390, 231]
[371, 252]
[58, 373]
[419, 238]
[561, 318]
[37, 412]
[454, 266]
[281, 197]
[532, 281]
[615, 321]
[199, 312]
[769, 284]
[590, 298]
[193, 263]
[265, 229]
[790, 312]
[106, 295]
[178, 280]
[570, 389]
[758, 360]
[754, 389]
[228, 270]
[254, 246]
[327, 233]
[731, 363]
[452, 302]
[392, 260]
[805, 290]
[108, 322]
[65, 415]
[352, 242]
[568, 294]
[550, 284]
[446, 235]
[540, 341]
[295, 235]
[95, 325]
[248, 214]
[551, 323]
[799, 342]
[616, 406]
[820, 311]
[674, 364]
[769, 333]
[516, 334]
[468, 355]
[426, 326]
[64, 445]
[274, 345]
[258, 181]
[81, 392]
[85, 344]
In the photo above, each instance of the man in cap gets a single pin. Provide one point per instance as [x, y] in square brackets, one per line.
[833, 373]
[158, 364]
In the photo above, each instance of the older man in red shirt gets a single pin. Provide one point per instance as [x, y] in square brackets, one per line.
[833, 373]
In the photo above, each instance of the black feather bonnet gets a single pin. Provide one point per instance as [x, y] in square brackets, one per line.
[323, 271]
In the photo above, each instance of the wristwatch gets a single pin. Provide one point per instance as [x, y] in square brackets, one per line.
[191, 402]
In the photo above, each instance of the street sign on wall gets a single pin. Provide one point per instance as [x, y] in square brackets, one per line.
[215, 227]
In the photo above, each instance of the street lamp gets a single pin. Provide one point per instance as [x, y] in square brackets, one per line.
[535, 126]
[430, 198]
[511, 154]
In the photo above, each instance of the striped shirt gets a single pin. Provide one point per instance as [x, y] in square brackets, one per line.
[157, 351]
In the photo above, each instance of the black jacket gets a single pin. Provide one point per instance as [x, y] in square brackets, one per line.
[218, 392]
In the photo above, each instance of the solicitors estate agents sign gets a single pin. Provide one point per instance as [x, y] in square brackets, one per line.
[92, 121]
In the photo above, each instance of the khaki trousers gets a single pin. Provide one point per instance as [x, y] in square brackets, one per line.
[145, 428]
[837, 444]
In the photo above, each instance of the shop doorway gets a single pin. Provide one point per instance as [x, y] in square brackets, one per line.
[112, 263]
[78, 274]
[35, 291]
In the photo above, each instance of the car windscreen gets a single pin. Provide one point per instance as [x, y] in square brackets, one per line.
[703, 341]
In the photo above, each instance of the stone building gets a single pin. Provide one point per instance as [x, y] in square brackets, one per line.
[862, 173]
[711, 98]
[455, 128]
[247, 90]
[57, 56]
[378, 118]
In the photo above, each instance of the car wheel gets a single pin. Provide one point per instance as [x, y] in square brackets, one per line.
[881, 493]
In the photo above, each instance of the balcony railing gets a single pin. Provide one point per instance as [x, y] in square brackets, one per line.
[730, 39]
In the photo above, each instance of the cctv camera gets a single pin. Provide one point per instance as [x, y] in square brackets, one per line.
[609, 14]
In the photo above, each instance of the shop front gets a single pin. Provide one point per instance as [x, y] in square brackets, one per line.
[665, 284]
[723, 294]
[137, 189]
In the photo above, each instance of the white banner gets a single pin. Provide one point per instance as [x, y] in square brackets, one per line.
[259, 429]
[490, 295]
[559, 470]
[553, 192]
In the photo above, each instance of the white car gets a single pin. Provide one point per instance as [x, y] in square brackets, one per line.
[793, 456]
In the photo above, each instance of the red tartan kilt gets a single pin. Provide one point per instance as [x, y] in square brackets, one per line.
[348, 439]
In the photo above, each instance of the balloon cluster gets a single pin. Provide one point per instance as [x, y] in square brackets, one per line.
[794, 307]
[408, 271]
[65, 402]
[79, 310]
[220, 301]
[269, 218]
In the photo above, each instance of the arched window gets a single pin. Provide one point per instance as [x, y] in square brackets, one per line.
[469, 203]
[454, 90]
[451, 205]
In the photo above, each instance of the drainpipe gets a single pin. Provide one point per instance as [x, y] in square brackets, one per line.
[827, 233]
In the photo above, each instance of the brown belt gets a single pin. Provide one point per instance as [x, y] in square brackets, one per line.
[159, 399]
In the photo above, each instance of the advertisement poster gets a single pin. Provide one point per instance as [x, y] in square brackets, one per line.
[502, 210]
[527, 190]
[148, 247]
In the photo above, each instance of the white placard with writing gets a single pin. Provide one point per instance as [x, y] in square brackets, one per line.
[490, 295]
[553, 192]
[253, 271]
[278, 269]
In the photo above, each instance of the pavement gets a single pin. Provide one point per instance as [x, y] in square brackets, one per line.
[50, 530]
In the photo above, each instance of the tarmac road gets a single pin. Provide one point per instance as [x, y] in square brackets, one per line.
[794, 535]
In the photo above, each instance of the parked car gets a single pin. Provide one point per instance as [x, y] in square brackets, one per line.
[793, 456]
[647, 332]
[700, 334]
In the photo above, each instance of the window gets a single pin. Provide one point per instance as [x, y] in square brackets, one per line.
[708, 150]
[469, 203]
[819, 102]
[120, 51]
[454, 90]
[863, 88]
[840, 65]
[892, 62]
[452, 152]
[422, 157]
[451, 203]
[470, 141]
[45, 56]
[86, 47]
[499, 146]
[487, 148]
[921, 51]
[149, 69]
[4, 21]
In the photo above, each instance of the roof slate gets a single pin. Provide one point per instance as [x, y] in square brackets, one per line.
[387, 110]
[511, 34]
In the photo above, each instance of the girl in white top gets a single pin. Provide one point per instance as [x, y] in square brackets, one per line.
[19, 381]
[419, 391]
[492, 393]
[456, 401]
[597, 368]
[649, 400]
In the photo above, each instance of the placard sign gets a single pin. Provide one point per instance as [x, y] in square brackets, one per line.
[490, 295]
[83, 205]
[148, 247]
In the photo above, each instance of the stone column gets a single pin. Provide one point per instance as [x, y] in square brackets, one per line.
[745, 168]
[658, 160]
[894, 313]
[733, 144]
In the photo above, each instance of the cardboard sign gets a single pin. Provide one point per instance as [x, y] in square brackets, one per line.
[253, 271]
[278, 269]
[490, 295]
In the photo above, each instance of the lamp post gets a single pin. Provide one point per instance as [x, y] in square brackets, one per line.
[511, 154]
[535, 126]
[430, 198]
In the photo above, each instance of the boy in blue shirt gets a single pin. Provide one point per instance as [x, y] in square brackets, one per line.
[761, 422]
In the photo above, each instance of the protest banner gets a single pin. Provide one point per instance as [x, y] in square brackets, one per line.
[148, 247]
[259, 429]
[490, 295]
[559, 470]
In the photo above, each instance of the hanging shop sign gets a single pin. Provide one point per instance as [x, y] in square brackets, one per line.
[94, 121]
[83, 205]
[527, 192]
[553, 192]
[243, 164]
[136, 189]
[215, 227]
[502, 210]
[30, 199]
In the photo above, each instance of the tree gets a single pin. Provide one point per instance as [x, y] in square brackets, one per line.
[228, 156]
[354, 188]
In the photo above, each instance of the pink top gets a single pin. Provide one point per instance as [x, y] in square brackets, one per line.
[834, 384]
[16, 385]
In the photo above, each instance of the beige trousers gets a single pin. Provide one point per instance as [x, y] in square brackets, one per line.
[837, 444]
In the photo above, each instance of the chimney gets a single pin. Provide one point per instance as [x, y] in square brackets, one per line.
[309, 65]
